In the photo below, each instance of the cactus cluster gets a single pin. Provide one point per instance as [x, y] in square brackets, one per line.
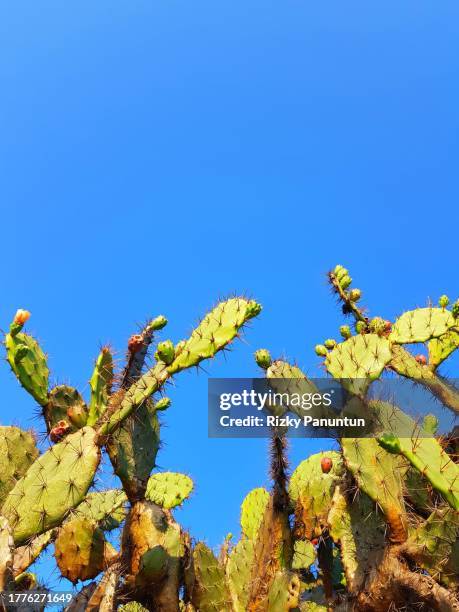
[383, 516]
[49, 498]
[371, 526]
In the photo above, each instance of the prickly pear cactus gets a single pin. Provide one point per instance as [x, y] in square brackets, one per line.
[17, 453]
[311, 492]
[48, 498]
[54, 484]
[168, 489]
[390, 510]
[81, 550]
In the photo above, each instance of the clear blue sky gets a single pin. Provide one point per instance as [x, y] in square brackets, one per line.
[157, 155]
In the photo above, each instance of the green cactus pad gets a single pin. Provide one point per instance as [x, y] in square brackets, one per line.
[360, 533]
[421, 325]
[431, 543]
[238, 572]
[442, 347]
[418, 491]
[168, 489]
[17, 453]
[210, 591]
[380, 475]
[304, 554]
[100, 383]
[287, 378]
[133, 448]
[430, 459]
[311, 491]
[29, 364]
[283, 369]
[106, 508]
[218, 328]
[65, 404]
[81, 550]
[153, 566]
[253, 510]
[53, 485]
[284, 593]
[363, 357]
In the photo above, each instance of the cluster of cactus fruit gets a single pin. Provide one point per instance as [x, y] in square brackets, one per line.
[372, 526]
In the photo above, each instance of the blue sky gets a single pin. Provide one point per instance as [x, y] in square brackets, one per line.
[157, 156]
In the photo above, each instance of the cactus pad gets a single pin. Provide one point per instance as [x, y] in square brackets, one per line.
[238, 572]
[218, 328]
[421, 325]
[133, 448]
[100, 383]
[106, 508]
[253, 510]
[65, 404]
[442, 347]
[284, 593]
[81, 550]
[168, 489]
[17, 453]
[380, 475]
[209, 592]
[29, 364]
[432, 542]
[304, 554]
[360, 534]
[311, 491]
[428, 457]
[54, 484]
[363, 356]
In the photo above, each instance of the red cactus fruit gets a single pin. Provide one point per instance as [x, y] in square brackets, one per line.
[421, 359]
[326, 464]
[135, 343]
[59, 431]
[315, 541]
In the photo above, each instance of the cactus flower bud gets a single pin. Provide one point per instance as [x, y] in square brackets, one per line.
[163, 403]
[263, 358]
[378, 325]
[158, 323]
[321, 350]
[165, 351]
[430, 424]
[340, 272]
[360, 327]
[21, 316]
[443, 301]
[330, 343]
[345, 331]
[455, 309]
[345, 282]
[355, 295]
